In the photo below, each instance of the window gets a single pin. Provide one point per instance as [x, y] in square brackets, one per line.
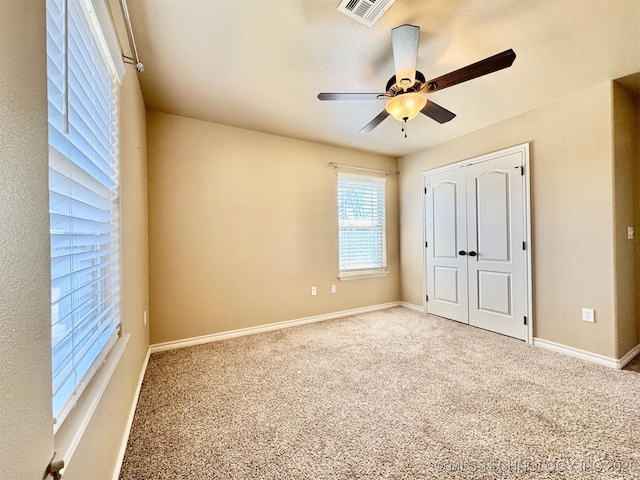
[362, 226]
[83, 195]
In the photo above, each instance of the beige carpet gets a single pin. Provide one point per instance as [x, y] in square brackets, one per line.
[392, 394]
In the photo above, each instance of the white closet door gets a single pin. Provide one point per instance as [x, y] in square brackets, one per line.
[446, 233]
[495, 236]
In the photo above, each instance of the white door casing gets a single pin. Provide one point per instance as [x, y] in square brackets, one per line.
[486, 237]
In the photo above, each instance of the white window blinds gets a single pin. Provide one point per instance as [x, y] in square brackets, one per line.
[361, 224]
[83, 199]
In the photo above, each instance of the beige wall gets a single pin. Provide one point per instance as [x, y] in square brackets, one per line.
[242, 224]
[637, 218]
[26, 442]
[626, 116]
[572, 205]
[26, 439]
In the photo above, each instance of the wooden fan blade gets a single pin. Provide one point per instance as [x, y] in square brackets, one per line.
[350, 96]
[437, 113]
[483, 67]
[404, 40]
[375, 122]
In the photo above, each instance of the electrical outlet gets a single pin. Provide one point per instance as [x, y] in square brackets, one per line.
[314, 291]
[333, 289]
[588, 315]
[630, 233]
[146, 317]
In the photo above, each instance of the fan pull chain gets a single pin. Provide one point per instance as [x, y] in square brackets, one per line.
[404, 126]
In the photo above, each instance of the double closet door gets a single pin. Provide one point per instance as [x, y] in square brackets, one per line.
[476, 251]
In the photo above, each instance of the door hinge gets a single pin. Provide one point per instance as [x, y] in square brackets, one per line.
[525, 320]
[524, 245]
[425, 190]
[521, 167]
[426, 244]
[427, 298]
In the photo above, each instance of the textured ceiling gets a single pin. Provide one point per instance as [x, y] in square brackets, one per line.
[259, 64]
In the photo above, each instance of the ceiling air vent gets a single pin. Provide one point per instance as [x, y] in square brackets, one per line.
[365, 11]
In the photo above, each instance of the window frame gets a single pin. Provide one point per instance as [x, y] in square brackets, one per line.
[378, 259]
[96, 21]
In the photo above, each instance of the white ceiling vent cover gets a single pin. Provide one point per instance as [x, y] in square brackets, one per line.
[365, 11]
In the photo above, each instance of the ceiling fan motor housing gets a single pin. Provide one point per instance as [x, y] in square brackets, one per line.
[393, 87]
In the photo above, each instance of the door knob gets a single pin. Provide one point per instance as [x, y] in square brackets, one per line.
[472, 253]
[462, 252]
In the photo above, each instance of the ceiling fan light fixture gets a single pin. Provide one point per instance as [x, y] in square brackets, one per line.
[406, 106]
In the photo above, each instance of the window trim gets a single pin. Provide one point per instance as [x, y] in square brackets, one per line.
[365, 273]
[68, 430]
[362, 274]
[103, 31]
[68, 436]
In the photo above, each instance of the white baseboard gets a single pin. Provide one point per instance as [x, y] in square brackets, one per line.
[132, 411]
[630, 355]
[215, 337]
[411, 306]
[588, 356]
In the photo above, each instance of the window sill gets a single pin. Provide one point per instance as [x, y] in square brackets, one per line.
[361, 275]
[67, 438]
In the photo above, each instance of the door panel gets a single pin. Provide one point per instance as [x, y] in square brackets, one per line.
[493, 222]
[494, 292]
[445, 213]
[495, 229]
[446, 284]
[446, 232]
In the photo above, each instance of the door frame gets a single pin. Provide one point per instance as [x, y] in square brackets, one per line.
[523, 149]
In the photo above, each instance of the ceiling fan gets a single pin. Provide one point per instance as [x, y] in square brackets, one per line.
[406, 90]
